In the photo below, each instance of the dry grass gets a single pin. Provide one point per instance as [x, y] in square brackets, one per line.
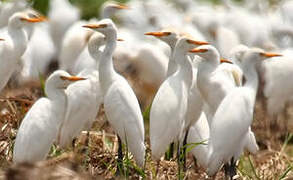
[94, 154]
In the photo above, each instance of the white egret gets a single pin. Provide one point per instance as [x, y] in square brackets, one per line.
[15, 45]
[170, 103]
[231, 126]
[194, 100]
[62, 15]
[84, 97]
[74, 43]
[121, 105]
[40, 125]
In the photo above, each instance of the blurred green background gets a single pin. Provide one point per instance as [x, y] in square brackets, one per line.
[89, 8]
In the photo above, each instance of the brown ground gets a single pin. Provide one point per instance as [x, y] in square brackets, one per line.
[94, 155]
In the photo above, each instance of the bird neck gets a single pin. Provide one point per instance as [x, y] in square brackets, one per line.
[249, 71]
[94, 48]
[172, 65]
[106, 68]
[19, 40]
[55, 94]
[184, 65]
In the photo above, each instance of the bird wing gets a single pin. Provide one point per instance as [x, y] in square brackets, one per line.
[166, 116]
[200, 132]
[231, 122]
[82, 108]
[124, 114]
[36, 133]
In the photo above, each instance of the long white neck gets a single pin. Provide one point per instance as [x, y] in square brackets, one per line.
[19, 40]
[172, 65]
[59, 101]
[184, 65]
[94, 45]
[249, 71]
[106, 68]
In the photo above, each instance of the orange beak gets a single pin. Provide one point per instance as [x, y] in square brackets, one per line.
[72, 78]
[225, 61]
[158, 34]
[119, 39]
[199, 43]
[95, 26]
[269, 55]
[34, 20]
[195, 50]
[121, 6]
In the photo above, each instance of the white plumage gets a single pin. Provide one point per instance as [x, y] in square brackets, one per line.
[40, 126]
[121, 105]
[14, 46]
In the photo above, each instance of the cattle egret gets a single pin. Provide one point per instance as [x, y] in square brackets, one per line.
[120, 103]
[14, 45]
[40, 125]
[231, 122]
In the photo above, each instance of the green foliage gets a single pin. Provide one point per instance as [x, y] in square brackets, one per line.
[89, 8]
[41, 5]
[55, 151]
[289, 168]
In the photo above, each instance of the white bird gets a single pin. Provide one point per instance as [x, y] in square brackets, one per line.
[73, 54]
[36, 62]
[169, 106]
[40, 125]
[199, 132]
[120, 103]
[62, 15]
[15, 45]
[170, 36]
[232, 119]
[8, 8]
[84, 97]
[212, 75]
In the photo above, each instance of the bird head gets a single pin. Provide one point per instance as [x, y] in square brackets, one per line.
[61, 80]
[21, 19]
[186, 43]
[207, 52]
[168, 37]
[109, 8]
[255, 55]
[105, 26]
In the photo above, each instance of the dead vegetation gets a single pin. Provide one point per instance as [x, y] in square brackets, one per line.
[93, 154]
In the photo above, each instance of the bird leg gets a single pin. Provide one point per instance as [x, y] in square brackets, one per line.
[157, 169]
[73, 142]
[195, 164]
[184, 150]
[179, 159]
[169, 153]
[120, 157]
[230, 169]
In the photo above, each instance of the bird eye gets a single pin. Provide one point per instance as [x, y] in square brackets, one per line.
[63, 77]
[168, 33]
[103, 25]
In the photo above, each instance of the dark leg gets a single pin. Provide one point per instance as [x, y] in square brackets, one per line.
[184, 150]
[195, 164]
[157, 169]
[232, 169]
[120, 157]
[226, 170]
[179, 159]
[73, 142]
[169, 153]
